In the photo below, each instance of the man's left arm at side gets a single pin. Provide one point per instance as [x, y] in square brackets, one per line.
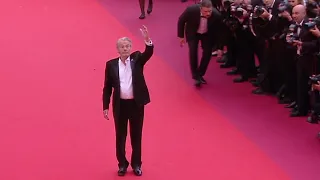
[107, 88]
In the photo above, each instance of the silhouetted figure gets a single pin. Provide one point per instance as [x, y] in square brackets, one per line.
[142, 8]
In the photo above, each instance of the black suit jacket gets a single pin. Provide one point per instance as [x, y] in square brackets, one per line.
[112, 81]
[272, 27]
[309, 47]
[189, 22]
[309, 42]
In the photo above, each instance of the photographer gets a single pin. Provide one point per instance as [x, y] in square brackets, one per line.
[244, 42]
[314, 80]
[265, 22]
[315, 100]
[312, 8]
[306, 46]
[285, 56]
[290, 72]
[230, 23]
[229, 60]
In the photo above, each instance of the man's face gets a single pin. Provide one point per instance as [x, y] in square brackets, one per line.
[124, 48]
[297, 15]
[237, 2]
[206, 12]
[268, 2]
[293, 2]
[247, 2]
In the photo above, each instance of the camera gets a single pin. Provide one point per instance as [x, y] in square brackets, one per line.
[313, 22]
[227, 4]
[292, 37]
[314, 79]
[284, 7]
[259, 11]
[311, 8]
[237, 11]
[311, 5]
[232, 23]
[291, 34]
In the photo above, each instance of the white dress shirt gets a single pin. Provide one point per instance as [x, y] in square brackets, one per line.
[203, 26]
[270, 10]
[125, 77]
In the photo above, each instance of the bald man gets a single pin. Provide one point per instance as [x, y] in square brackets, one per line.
[306, 46]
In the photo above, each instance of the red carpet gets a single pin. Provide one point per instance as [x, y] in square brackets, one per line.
[52, 64]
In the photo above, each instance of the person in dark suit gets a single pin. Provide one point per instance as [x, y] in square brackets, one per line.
[200, 22]
[142, 8]
[306, 47]
[130, 94]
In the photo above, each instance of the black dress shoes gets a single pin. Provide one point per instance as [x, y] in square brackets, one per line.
[150, 7]
[313, 118]
[122, 171]
[197, 83]
[225, 65]
[258, 91]
[297, 113]
[240, 79]
[202, 80]
[285, 100]
[137, 171]
[292, 105]
[233, 72]
[142, 16]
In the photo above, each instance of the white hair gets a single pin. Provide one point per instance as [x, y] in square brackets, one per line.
[123, 39]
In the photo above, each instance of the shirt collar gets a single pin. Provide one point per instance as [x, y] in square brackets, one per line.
[300, 23]
[126, 61]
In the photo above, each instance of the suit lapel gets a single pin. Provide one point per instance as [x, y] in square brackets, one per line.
[132, 65]
[198, 16]
[133, 59]
[115, 67]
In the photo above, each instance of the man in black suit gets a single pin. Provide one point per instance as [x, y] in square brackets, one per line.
[306, 47]
[130, 94]
[200, 22]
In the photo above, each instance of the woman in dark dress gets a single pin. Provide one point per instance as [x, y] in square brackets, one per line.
[142, 8]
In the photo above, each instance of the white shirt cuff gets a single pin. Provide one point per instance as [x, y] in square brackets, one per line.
[149, 43]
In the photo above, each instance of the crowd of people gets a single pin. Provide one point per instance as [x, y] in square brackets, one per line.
[282, 35]
[272, 44]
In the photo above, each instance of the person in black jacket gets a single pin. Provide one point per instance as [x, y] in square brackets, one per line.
[200, 22]
[130, 94]
[306, 46]
[142, 8]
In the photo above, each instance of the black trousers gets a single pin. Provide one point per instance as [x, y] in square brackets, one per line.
[245, 62]
[272, 80]
[259, 49]
[134, 114]
[232, 50]
[304, 71]
[206, 44]
[290, 70]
